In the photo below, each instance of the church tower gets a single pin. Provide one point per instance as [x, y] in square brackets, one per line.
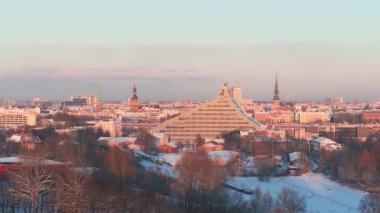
[276, 97]
[134, 100]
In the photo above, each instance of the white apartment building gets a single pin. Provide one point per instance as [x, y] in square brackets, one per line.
[18, 117]
[312, 117]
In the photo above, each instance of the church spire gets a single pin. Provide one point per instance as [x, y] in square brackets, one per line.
[134, 92]
[276, 96]
[134, 100]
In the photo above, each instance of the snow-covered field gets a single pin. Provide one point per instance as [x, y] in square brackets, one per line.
[322, 194]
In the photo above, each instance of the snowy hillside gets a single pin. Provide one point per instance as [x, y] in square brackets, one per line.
[322, 194]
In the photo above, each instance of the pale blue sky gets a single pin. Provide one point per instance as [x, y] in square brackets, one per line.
[56, 48]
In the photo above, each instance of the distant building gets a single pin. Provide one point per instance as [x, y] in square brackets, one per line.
[168, 148]
[18, 117]
[222, 157]
[321, 143]
[275, 117]
[353, 131]
[133, 102]
[276, 97]
[117, 141]
[81, 100]
[86, 99]
[263, 117]
[26, 141]
[37, 102]
[213, 145]
[312, 117]
[345, 117]
[114, 127]
[237, 93]
[372, 116]
[208, 120]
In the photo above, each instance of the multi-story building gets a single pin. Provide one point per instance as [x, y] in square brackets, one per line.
[87, 99]
[352, 131]
[371, 116]
[113, 127]
[275, 117]
[81, 100]
[18, 117]
[208, 120]
[237, 93]
[312, 117]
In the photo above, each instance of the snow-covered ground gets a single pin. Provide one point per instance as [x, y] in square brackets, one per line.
[172, 158]
[322, 194]
[29, 160]
[163, 169]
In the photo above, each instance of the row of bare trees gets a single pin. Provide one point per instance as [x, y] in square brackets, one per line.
[357, 163]
[35, 187]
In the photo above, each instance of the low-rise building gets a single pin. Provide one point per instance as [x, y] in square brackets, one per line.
[113, 127]
[26, 141]
[324, 144]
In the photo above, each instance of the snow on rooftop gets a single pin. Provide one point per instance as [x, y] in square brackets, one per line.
[15, 138]
[323, 140]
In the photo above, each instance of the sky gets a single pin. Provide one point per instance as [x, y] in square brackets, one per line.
[174, 49]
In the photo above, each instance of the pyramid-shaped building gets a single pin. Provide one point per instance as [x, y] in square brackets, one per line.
[209, 120]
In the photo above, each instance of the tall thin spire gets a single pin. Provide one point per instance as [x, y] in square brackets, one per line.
[276, 96]
[134, 93]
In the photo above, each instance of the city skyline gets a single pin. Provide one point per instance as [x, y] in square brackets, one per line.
[192, 47]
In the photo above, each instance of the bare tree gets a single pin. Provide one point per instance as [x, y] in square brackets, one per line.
[6, 201]
[200, 181]
[290, 201]
[261, 202]
[71, 191]
[121, 165]
[370, 204]
[145, 139]
[31, 183]
[265, 169]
